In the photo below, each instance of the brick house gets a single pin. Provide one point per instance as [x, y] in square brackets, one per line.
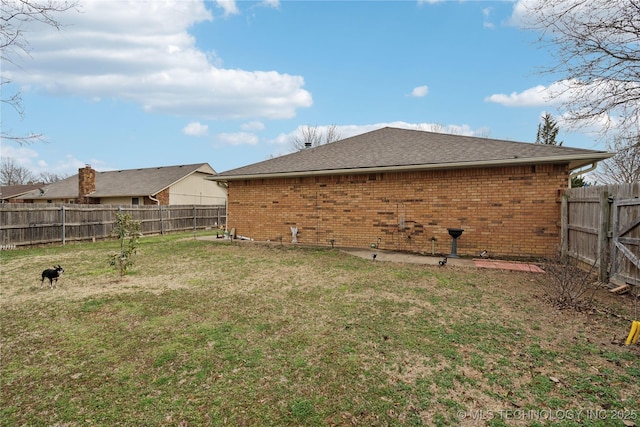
[8, 193]
[402, 189]
[168, 185]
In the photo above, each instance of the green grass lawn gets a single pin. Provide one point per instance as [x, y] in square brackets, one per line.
[212, 333]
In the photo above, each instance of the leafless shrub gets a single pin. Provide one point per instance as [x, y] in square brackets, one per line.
[566, 285]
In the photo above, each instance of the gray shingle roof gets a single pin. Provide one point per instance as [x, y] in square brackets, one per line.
[122, 183]
[402, 149]
[9, 191]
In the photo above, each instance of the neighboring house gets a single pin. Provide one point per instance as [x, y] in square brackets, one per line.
[402, 189]
[9, 193]
[169, 185]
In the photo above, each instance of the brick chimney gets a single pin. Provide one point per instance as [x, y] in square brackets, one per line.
[86, 183]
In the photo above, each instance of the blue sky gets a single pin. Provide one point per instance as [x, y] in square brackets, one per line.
[134, 84]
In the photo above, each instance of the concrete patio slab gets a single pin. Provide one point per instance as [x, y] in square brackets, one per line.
[507, 265]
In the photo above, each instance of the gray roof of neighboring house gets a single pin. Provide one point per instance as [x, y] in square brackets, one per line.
[122, 183]
[392, 149]
[11, 191]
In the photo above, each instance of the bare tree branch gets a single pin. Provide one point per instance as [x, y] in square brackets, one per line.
[596, 48]
[313, 136]
[624, 166]
[12, 174]
[49, 177]
[14, 15]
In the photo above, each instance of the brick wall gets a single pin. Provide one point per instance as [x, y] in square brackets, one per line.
[163, 197]
[511, 211]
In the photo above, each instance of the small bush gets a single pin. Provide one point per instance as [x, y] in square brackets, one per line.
[128, 231]
[567, 285]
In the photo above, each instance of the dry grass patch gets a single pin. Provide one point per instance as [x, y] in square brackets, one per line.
[210, 333]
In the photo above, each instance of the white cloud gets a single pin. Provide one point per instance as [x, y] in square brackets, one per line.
[253, 126]
[420, 91]
[238, 138]
[520, 14]
[70, 165]
[486, 13]
[533, 97]
[557, 96]
[271, 3]
[595, 127]
[557, 93]
[22, 156]
[529, 97]
[229, 7]
[141, 52]
[33, 161]
[196, 129]
[524, 13]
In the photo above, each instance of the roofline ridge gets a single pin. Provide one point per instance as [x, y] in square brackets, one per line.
[413, 167]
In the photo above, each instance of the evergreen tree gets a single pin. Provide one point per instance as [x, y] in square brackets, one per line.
[578, 182]
[548, 131]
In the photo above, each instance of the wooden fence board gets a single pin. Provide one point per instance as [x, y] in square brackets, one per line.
[588, 223]
[625, 258]
[39, 224]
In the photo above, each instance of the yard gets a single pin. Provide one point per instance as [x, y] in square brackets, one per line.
[217, 333]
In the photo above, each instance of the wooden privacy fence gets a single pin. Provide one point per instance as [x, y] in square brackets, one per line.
[36, 224]
[601, 227]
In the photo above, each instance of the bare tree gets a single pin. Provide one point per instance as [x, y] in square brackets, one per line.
[12, 174]
[596, 49]
[49, 177]
[451, 129]
[14, 16]
[313, 136]
[438, 128]
[624, 166]
[332, 134]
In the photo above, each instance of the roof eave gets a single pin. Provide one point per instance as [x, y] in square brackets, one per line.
[107, 195]
[573, 161]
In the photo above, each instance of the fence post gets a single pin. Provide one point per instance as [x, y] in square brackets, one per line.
[564, 227]
[195, 223]
[603, 236]
[161, 220]
[64, 225]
